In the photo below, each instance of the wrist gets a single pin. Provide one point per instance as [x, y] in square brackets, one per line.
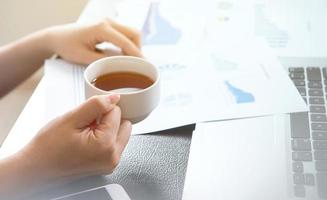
[46, 41]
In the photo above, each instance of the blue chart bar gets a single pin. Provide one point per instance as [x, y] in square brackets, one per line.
[157, 30]
[239, 95]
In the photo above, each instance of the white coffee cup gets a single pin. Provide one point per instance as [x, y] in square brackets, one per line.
[135, 105]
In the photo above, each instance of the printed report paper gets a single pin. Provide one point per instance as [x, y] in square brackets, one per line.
[203, 79]
[209, 86]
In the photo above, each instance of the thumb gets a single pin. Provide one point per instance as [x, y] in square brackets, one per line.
[94, 108]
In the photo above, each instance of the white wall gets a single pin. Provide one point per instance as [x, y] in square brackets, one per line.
[18, 18]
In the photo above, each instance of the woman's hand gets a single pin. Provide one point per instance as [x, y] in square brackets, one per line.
[77, 43]
[88, 140]
[73, 42]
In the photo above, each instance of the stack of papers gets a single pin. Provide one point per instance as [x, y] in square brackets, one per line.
[200, 81]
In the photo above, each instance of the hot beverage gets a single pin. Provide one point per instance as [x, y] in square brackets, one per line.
[136, 80]
[124, 81]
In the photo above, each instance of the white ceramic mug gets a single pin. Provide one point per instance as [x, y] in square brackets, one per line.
[135, 105]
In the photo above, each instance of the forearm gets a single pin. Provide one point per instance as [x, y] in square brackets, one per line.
[25, 173]
[18, 60]
[16, 177]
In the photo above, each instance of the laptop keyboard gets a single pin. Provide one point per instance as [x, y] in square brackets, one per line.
[309, 132]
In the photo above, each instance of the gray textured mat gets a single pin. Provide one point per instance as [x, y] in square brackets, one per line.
[153, 166]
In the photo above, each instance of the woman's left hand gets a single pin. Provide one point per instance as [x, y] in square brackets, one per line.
[77, 43]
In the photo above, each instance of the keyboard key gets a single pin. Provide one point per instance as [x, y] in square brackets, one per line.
[299, 191]
[320, 144]
[297, 167]
[296, 69]
[319, 126]
[322, 184]
[296, 75]
[319, 155]
[316, 100]
[302, 91]
[316, 92]
[300, 125]
[299, 82]
[313, 84]
[302, 156]
[324, 72]
[298, 179]
[301, 145]
[319, 135]
[318, 117]
[321, 165]
[317, 109]
[313, 74]
[309, 179]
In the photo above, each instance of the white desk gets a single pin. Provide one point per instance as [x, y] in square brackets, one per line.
[152, 166]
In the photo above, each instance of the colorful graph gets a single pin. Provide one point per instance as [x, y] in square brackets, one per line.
[157, 30]
[239, 95]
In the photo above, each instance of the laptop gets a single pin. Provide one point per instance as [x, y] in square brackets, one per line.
[279, 157]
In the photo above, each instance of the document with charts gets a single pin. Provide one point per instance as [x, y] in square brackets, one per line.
[200, 81]
[195, 86]
[219, 84]
[292, 28]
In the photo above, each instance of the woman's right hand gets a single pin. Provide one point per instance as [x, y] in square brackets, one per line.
[88, 140]
[76, 144]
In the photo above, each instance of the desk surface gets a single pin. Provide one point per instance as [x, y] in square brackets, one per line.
[152, 166]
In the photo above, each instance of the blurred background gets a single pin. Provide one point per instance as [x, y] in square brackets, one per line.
[19, 18]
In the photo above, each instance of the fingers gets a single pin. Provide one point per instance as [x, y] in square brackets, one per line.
[115, 134]
[131, 33]
[110, 124]
[123, 135]
[120, 40]
[93, 109]
[127, 46]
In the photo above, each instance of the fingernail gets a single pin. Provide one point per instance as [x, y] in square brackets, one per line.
[114, 98]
